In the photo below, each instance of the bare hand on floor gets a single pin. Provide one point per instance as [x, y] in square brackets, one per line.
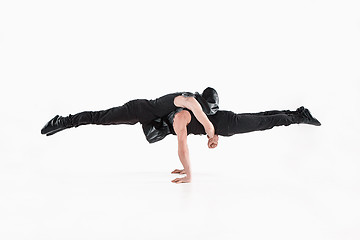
[178, 171]
[182, 180]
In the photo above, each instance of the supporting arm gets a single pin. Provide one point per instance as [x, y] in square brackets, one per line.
[181, 120]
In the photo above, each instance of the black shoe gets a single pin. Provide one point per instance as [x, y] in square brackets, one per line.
[306, 117]
[55, 125]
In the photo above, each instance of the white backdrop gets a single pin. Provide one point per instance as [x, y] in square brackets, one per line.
[107, 182]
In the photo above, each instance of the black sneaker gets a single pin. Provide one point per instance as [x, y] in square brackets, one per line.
[307, 117]
[53, 126]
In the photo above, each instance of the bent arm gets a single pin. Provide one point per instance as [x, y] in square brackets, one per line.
[193, 105]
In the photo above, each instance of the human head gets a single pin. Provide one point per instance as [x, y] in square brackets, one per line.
[209, 100]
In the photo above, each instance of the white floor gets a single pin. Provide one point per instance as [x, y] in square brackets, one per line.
[61, 188]
[106, 182]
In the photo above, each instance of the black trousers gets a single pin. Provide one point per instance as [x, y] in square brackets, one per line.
[228, 123]
[132, 112]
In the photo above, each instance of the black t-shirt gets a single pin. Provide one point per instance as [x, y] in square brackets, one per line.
[158, 128]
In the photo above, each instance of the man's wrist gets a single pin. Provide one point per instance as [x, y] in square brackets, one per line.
[210, 132]
[188, 173]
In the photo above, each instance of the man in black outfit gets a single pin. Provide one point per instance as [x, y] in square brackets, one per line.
[181, 114]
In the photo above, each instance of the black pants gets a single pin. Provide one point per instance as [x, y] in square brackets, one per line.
[132, 112]
[228, 123]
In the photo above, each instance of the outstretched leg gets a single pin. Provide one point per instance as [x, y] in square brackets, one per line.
[125, 114]
[243, 123]
[231, 123]
[139, 110]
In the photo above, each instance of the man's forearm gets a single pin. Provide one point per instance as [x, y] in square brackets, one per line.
[204, 120]
[184, 157]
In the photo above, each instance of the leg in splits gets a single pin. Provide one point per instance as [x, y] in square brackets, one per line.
[132, 112]
[228, 123]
